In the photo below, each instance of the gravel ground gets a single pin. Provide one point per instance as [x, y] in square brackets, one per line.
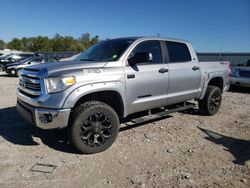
[182, 150]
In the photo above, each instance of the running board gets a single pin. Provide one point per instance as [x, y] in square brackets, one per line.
[160, 114]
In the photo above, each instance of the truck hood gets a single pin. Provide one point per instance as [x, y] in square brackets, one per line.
[67, 66]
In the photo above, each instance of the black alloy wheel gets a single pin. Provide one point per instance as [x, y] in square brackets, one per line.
[94, 127]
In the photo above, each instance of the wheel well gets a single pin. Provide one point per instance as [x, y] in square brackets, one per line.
[112, 98]
[218, 81]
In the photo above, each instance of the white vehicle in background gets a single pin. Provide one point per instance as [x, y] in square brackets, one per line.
[13, 57]
[13, 68]
[5, 52]
[240, 75]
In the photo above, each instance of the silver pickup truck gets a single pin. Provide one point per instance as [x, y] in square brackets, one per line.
[115, 79]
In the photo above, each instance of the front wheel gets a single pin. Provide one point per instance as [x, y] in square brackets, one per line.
[211, 103]
[94, 127]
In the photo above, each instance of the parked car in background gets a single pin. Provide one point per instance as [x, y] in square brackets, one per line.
[12, 58]
[240, 75]
[13, 68]
[3, 56]
[5, 52]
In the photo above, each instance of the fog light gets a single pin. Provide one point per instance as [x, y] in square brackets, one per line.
[42, 118]
[45, 118]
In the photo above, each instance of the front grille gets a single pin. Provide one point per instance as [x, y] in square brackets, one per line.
[29, 85]
[244, 73]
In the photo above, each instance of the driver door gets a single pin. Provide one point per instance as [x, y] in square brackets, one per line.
[147, 82]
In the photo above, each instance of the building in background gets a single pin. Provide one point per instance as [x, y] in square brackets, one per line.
[234, 58]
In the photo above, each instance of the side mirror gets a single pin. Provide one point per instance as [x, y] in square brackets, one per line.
[140, 57]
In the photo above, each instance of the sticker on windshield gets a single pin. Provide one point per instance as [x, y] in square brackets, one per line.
[114, 56]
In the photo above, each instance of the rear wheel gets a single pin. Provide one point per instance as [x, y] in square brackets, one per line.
[211, 103]
[94, 128]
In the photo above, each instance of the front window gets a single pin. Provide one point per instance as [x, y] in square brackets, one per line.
[109, 50]
[151, 46]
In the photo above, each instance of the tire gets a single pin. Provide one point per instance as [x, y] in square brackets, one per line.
[211, 103]
[94, 127]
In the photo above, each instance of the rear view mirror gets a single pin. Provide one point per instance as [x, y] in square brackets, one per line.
[140, 57]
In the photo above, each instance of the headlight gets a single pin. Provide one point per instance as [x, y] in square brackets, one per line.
[56, 84]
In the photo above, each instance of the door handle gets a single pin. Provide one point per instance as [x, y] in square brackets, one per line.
[130, 76]
[163, 70]
[195, 68]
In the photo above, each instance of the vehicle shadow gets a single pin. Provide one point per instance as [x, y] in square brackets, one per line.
[192, 111]
[17, 131]
[239, 148]
[239, 89]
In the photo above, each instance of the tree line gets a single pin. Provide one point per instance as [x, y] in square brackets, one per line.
[56, 44]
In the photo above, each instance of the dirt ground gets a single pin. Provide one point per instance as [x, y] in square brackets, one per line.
[182, 150]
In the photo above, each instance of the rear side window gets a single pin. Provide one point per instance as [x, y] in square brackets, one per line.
[152, 47]
[178, 52]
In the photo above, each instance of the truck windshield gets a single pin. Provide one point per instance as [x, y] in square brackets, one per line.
[109, 50]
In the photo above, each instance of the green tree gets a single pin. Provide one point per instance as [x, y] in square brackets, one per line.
[70, 44]
[25, 44]
[2, 44]
[41, 44]
[56, 44]
[94, 40]
[85, 40]
[15, 43]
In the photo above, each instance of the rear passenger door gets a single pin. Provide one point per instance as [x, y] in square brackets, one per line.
[184, 73]
[147, 82]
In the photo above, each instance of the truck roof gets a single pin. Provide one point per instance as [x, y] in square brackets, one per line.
[154, 38]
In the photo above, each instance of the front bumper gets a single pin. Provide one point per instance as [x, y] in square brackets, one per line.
[239, 81]
[43, 118]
